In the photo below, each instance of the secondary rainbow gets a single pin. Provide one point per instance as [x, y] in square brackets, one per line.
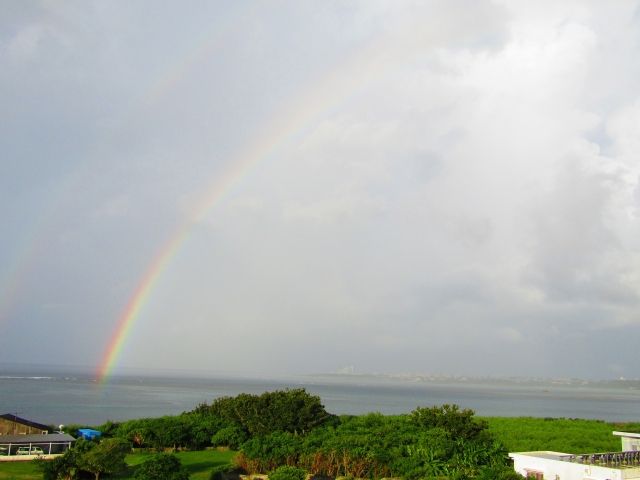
[14, 275]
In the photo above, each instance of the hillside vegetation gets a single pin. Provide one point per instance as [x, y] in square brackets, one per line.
[292, 429]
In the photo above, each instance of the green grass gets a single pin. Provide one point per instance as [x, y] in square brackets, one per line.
[525, 434]
[198, 464]
[19, 471]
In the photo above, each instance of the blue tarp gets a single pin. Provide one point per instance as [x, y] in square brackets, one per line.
[89, 434]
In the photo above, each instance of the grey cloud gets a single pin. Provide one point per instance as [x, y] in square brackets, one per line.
[574, 247]
[409, 183]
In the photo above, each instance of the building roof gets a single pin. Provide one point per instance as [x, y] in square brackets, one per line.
[49, 438]
[23, 421]
[549, 455]
[612, 460]
[627, 434]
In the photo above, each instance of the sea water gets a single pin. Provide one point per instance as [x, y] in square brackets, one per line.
[80, 399]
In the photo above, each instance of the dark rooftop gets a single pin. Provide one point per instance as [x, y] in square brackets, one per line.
[49, 438]
[23, 421]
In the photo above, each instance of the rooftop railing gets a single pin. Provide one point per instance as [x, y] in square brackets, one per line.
[609, 459]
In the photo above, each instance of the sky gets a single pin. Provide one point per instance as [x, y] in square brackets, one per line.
[437, 187]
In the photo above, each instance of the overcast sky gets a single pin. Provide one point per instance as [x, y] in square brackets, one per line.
[436, 187]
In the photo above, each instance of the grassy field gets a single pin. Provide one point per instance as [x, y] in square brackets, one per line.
[525, 434]
[18, 471]
[199, 465]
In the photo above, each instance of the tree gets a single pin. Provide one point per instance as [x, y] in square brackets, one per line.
[65, 467]
[106, 457]
[232, 437]
[292, 410]
[161, 466]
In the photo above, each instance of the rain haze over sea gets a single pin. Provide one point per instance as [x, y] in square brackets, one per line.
[76, 398]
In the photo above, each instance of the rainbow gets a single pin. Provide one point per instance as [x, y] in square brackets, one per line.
[303, 112]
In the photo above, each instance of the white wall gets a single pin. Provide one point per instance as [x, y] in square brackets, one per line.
[554, 469]
[630, 442]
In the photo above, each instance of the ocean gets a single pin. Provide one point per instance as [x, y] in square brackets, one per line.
[73, 398]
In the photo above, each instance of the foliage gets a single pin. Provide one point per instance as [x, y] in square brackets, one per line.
[221, 472]
[286, 472]
[262, 454]
[105, 457]
[438, 441]
[459, 423]
[197, 463]
[162, 466]
[189, 430]
[66, 466]
[193, 431]
[498, 473]
[443, 442]
[294, 411]
[232, 436]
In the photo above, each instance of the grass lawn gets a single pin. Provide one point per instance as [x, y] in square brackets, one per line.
[198, 463]
[19, 471]
[526, 434]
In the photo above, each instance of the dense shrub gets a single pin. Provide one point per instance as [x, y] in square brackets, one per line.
[294, 411]
[226, 472]
[291, 428]
[439, 441]
[459, 423]
[286, 472]
[263, 454]
[232, 436]
[188, 430]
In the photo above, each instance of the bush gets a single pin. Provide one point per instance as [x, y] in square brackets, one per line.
[232, 437]
[270, 451]
[458, 423]
[288, 473]
[294, 411]
[499, 473]
[161, 466]
[222, 472]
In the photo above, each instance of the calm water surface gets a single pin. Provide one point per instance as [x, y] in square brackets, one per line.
[79, 399]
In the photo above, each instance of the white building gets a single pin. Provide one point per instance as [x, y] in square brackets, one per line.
[547, 465]
[630, 441]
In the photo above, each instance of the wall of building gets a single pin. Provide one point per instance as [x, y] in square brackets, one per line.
[630, 444]
[561, 470]
[8, 427]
